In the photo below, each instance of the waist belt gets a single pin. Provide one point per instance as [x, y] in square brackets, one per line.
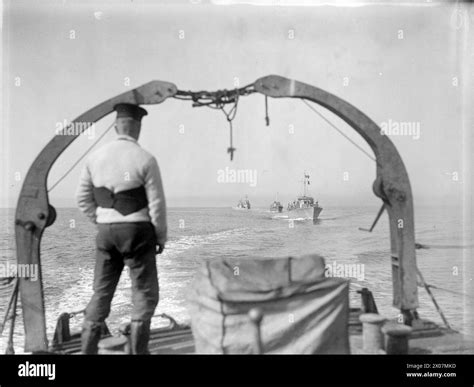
[125, 202]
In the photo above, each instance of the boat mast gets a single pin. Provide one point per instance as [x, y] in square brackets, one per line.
[304, 183]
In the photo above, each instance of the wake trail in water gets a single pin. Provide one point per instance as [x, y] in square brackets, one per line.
[78, 295]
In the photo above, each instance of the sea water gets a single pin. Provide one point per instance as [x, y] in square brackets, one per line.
[196, 234]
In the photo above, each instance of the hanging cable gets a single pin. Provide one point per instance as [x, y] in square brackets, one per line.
[231, 148]
[10, 314]
[424, 246]
[267, 118]
[10, 347]
[230, 115]
[449, 291]
[9, 305]
[341, 132]
[427, 288]
[80, 158]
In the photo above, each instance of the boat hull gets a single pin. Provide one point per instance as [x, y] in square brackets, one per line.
[279, 209]
[305, 213]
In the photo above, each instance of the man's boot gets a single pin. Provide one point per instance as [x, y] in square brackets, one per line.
[90, 337]
[139, 336]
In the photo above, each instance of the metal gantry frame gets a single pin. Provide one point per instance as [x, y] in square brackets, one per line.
[34, 212]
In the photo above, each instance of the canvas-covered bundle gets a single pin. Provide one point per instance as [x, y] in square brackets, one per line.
[303, 311]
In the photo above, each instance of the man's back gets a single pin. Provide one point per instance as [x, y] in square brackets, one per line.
[119, 165]
[122, 165]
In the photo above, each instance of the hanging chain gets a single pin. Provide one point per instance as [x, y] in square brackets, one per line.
[214, 99]
[230, 115]
[217, 100]
[267, 118]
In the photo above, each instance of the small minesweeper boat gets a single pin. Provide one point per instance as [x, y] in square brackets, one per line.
[276, 206]
[243, 204]
[274, 305]
[304, 207]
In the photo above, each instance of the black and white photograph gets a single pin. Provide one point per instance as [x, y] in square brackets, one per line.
[237, 177]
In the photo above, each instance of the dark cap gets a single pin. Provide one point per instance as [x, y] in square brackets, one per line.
[130, 110]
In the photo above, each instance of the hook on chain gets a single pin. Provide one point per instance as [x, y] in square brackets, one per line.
[267, 118]
[230, 115]
[217, 100]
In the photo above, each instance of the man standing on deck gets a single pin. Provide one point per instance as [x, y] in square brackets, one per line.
[121, 191]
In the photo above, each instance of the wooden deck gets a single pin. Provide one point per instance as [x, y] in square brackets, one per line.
[162, 341]
[178, 339]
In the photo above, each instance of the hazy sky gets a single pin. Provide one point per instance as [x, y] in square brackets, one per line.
[402, 64]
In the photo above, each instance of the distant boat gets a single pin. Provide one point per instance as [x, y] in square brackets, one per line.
[276, 206]
[243, 204]
[304, 207]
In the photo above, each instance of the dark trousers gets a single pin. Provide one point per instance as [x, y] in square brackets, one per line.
[120, 244]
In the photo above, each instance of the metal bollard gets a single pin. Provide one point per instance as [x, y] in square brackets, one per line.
[372, 336]
[124, 331]
[256, 317]
[113, 345]
[396, 338]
